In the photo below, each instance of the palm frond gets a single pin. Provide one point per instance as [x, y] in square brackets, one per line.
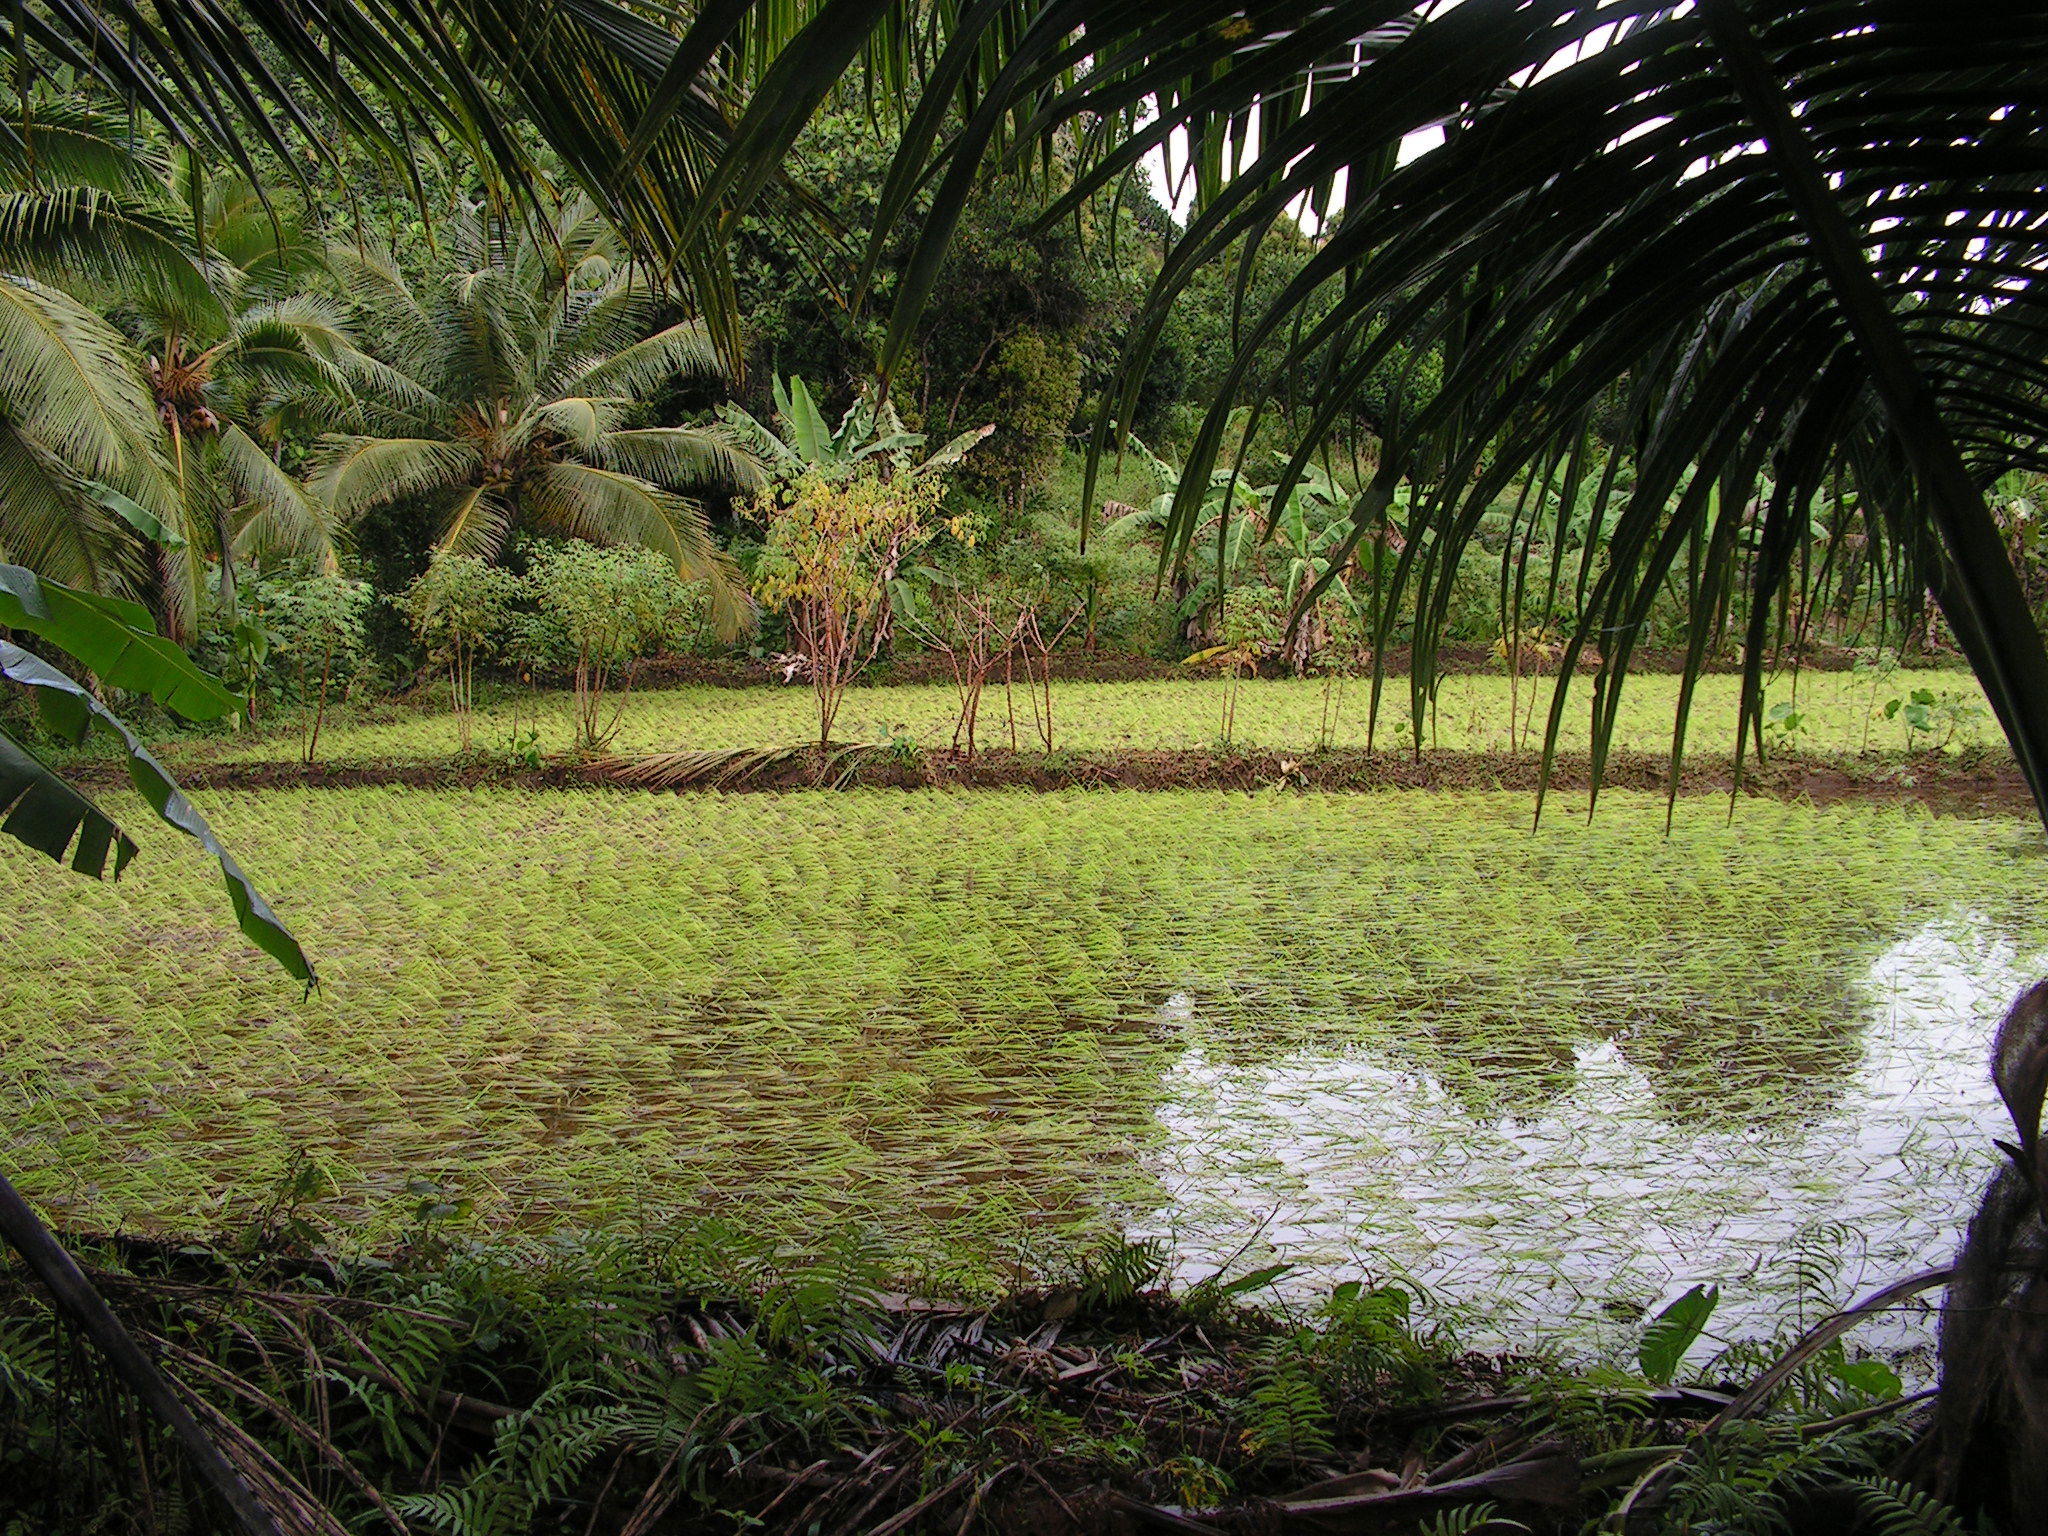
[50, 523]
[70, 380]
[378, 292]
[683, 349]
[85, 235]
[593, 324]
[476, 524]
[485, 336]
[353, 474]
[292, 346]
[581, 420]
[683, 457]
[64, 142]
[274, 253]
[274, 515]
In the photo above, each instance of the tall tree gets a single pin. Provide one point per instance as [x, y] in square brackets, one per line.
[161, 453]
[510, 399]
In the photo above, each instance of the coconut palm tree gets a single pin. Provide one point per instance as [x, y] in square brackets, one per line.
[80, 466]
[277, 84]
[234, 370]
[512, 396]
[212, 351]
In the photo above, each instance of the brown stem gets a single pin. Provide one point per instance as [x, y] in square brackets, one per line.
[320, 710]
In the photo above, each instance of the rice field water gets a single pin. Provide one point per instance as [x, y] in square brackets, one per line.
[1835, 712]
[1549, 1075]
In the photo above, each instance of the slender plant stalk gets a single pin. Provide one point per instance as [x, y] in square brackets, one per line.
[320, 709]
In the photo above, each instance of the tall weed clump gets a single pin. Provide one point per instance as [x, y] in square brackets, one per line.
[834, 553]
[289, 637]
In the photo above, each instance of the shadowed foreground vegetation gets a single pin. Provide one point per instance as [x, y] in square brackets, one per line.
[712, 1382]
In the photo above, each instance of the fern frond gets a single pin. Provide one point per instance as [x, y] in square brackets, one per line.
[1899, 1509]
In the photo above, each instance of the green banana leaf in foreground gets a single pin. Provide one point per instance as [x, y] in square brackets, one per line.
[119, 643]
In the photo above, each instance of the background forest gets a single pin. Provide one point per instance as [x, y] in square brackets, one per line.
[262, 414]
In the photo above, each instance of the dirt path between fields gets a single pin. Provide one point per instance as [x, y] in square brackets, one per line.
[1987, 785]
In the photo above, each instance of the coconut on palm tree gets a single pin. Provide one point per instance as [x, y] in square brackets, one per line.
[80, 466]
[513, 401]
[255, 358]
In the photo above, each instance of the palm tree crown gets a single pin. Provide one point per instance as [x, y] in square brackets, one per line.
[155, 448]
[510, 399]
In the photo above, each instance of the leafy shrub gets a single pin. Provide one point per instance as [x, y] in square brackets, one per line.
[834, 548]
[613, 607]
[290, 638]
[461, 609]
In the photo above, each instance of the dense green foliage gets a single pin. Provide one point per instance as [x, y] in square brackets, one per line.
[711, 1381]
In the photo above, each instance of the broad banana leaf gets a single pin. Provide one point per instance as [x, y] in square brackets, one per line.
[52, 816]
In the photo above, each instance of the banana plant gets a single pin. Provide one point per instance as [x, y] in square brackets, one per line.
[870, 437]
[118, 643]
[1312, 544]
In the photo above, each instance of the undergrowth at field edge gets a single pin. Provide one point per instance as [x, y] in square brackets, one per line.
[1836, 713]
[709, 1382]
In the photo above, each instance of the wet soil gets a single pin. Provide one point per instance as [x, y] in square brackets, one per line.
[1982, 785]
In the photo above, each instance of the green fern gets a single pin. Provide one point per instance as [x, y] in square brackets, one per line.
[1468, 1519]
[1898, 1509]
[538, 1457]
[1115, 1275]
[27, 1363]
[1369, 1344]
[1287, 1416]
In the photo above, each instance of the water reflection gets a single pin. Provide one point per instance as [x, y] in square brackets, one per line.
[1565, 1222]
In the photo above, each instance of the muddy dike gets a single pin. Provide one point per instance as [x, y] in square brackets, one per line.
[1982, 784]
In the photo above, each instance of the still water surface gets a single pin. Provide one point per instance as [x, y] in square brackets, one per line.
[1566, 1223]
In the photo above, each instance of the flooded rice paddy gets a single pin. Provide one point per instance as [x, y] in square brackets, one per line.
[1549, 1076]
